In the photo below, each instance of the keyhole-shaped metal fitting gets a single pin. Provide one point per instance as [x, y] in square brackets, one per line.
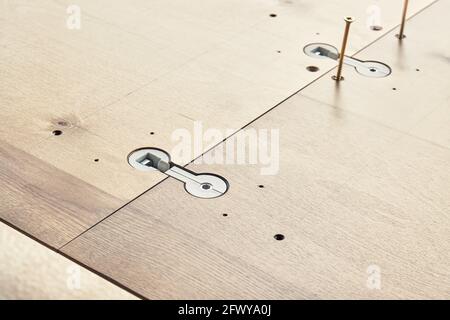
[372, 69]
[203, 185]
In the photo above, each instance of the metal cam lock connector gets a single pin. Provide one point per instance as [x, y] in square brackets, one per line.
[204, 185]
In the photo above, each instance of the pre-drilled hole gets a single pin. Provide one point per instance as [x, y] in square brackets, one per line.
[395, 89]
[96, 160]
[261, 186]
[312, 68]
[225, 214]
[152, 133]
[376, 28]
[373, 70]
[272, 15]
[279, 237]
[206, 186]
[57, 132]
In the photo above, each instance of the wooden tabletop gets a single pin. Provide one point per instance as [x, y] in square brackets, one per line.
[363, 183]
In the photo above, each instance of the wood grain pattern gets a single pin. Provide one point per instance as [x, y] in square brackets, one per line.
[343, 203]
[47, 203]
[29, 270]
[351, 194]
[147, 66]
[155, 66]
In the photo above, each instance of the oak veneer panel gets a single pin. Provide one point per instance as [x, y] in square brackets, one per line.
[208, 88]
[349, 194]
[172, 264]
[217, 62]
[197, 25]
[151, 66]
[45, 202]
[60, 74]
[102, 160]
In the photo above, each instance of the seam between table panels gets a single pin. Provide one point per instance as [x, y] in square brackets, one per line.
[251, 122]
[388, 32]
[248, 124]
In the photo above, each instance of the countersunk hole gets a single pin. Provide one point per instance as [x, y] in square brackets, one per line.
[312, 68]
[272, 15]
[96, 160]
[279, 237]
[376, 28]
[261, 186]
[57, 132]
[225, 214]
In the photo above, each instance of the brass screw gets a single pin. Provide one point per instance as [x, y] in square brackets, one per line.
[401, 35]
[348, 22]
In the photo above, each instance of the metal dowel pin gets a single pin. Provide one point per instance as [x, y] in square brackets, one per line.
[348, 22]
[401, 35]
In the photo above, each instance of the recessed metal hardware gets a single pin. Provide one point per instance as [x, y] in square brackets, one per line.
[321, 51]
[204, 185]
[373, 69]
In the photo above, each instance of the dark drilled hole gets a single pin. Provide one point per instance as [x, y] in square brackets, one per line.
[376, 28]
[57, 132]
[279, 237]
[312, 68]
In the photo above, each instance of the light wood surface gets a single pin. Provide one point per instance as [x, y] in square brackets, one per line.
[28, 270]
[46, 202]
[155, 66]
[344, 203]
[356, 189]
[415, 98]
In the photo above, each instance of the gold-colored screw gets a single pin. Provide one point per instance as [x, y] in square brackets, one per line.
[348, 22]
[401, 35]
